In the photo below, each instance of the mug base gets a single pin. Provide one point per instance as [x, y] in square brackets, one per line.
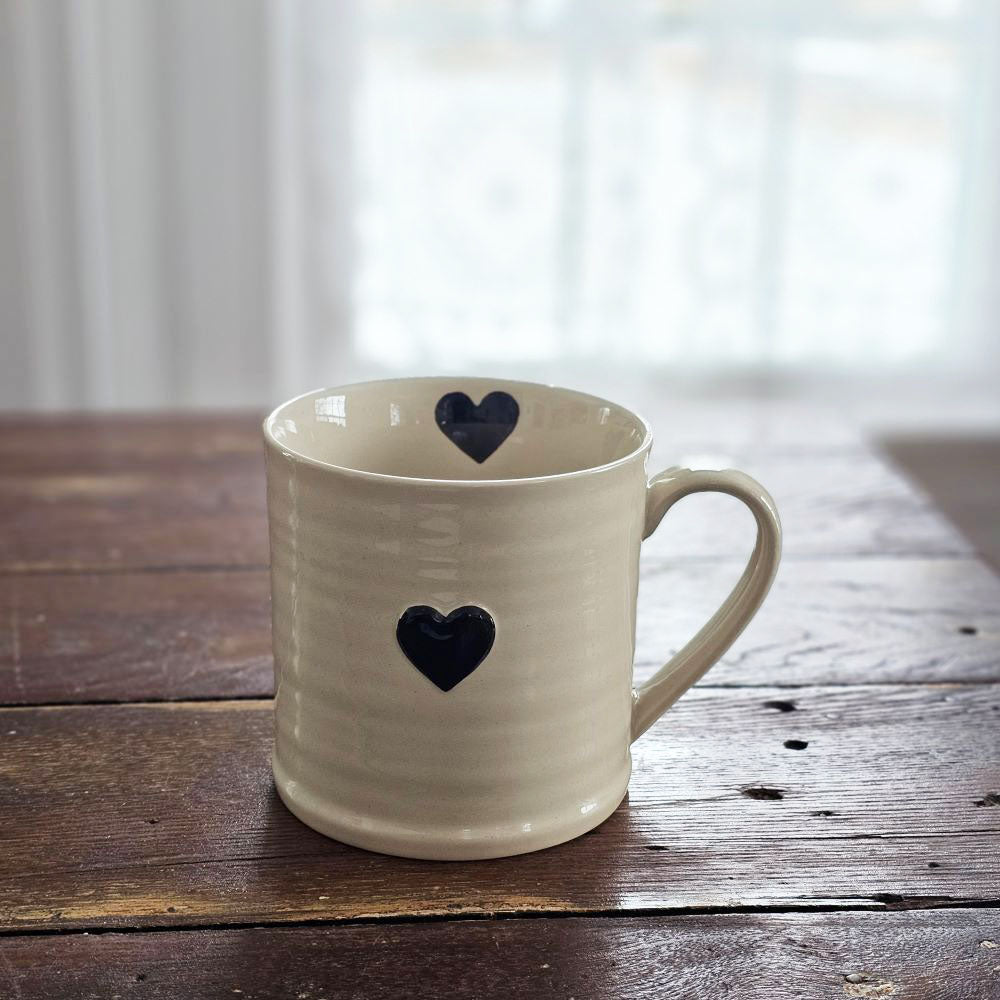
[464, 845]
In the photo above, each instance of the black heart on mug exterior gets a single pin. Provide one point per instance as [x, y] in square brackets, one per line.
[477, 430]
[445, 648]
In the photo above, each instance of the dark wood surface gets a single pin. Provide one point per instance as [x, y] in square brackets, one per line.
[843, 758]
[100, 501]
[940, 955]
[963, 473]
[130, 636]
[720, 810]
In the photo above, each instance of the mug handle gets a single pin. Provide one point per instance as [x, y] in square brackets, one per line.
[652, 699]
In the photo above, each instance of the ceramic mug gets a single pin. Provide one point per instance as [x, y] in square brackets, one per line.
[454, 572]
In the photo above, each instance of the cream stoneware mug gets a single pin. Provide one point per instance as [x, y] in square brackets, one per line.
[454, 572]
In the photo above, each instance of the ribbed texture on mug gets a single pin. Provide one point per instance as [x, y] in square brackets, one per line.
[537, 735]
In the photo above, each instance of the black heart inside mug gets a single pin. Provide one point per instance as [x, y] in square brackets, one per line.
[445, 648]
[477, 430]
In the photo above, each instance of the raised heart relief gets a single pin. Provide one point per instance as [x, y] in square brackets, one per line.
[477, 430]
[445, 648]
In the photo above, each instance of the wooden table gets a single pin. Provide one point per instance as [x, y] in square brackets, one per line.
[820, 818]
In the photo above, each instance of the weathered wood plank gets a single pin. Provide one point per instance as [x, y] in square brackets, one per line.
[134, 636]
[939, 955]
[153, 636]
[830, 505]
[962, 472]
[92, 442]
[128, 493]
[98, 520]
[843, 621]
[147, 815]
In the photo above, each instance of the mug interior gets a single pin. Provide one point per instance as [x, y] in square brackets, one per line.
[456, 429]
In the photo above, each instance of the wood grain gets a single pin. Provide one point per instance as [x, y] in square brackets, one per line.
[93, 442]
[963, 474]
[134, 636]
[206, 516]
[132, 566]
[830, 505]
[842, 621]
[189, 492]
[943, 955]
[146, 815]
[182, 635]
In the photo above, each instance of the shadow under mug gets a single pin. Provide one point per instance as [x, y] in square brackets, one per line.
[454, 573]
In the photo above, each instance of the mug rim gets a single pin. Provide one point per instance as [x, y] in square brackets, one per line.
[384, 477]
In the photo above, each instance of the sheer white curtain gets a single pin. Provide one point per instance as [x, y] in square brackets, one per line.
[225, 201]
[176, 199]
[763, 184]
